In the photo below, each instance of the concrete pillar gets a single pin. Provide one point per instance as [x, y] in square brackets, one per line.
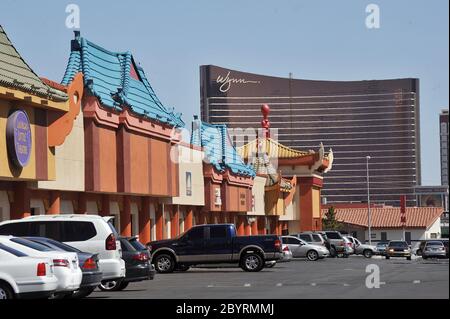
[174, 221]
[106, 206]
[240, 226]
[144, 221]
[159, 222]
[254, 227]
[125, 217]
[247, 227]
[188, 219]
[20, 208]
[261, 225]
[54, 207]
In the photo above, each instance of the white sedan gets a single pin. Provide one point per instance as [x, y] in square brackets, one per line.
[65, 264]
[300, 248]
[22, 276]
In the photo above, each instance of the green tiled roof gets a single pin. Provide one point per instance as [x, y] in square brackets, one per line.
[16, 74]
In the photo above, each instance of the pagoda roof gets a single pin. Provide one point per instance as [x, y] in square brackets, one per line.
[219, 151]
[272, 148]
[117, 81]
[16, 74]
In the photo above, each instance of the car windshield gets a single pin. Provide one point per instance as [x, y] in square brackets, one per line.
[398, 244]
[382, 244]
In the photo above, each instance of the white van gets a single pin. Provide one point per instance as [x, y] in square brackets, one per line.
[89, 233]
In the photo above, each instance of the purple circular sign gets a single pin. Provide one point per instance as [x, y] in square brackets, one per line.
[18, 137]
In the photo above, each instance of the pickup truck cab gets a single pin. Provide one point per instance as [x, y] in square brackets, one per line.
[214, 244]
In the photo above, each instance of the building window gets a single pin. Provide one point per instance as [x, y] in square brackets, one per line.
[383, 236]
[433, 235]
[188, 184]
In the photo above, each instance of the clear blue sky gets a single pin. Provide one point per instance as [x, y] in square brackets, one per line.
[314, 39]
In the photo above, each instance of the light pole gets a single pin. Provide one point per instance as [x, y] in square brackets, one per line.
[368, 201]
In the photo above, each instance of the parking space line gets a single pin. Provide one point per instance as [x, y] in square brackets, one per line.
[279, 284]
[416, 282]
[247, 285]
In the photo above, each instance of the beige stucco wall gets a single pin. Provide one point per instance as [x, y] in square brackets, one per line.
[69, 161]
[190, 161]
[258, 196]
[292, 210]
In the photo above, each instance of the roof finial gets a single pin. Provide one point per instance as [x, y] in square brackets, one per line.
[265, 110]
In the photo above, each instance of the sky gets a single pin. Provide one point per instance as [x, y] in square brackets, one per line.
[316, 39]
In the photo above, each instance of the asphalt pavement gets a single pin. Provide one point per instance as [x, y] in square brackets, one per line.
[300, 279]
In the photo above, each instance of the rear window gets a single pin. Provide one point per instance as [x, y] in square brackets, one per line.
[126, 246]
[15, 229]
[398, 244]
[113, 229]
[55, 244]
[316, 238]
[334, 235]
[435, 243]
[30, 244]
[78, 231]
[12, 251]
[137, 244]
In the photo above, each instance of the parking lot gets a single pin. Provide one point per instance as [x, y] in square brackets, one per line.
[328, 278]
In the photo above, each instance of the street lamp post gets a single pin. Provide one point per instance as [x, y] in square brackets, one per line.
[368, 201]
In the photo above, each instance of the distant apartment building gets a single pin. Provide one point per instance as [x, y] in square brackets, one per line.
[376, 118]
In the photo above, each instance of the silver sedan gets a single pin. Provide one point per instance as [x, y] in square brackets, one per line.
[300, 248]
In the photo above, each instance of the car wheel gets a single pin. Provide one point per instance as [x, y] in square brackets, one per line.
[387, 257]
[418, 252]
[252, 262]
[123, 285]
[164, 263]
[312, 255]
[110, 285]
[5, 292]
[408, 258]
[368, 253]
[81, 293]
[424, 257]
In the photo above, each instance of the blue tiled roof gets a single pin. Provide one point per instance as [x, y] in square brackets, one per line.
[107, 76]
[219, 151]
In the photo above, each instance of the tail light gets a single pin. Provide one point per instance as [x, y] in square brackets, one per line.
[277, 244]
[349, 244]
[111, 242]
[61, 262]
[141, 257]
[90, 263]
[286, 248]
[41, 270]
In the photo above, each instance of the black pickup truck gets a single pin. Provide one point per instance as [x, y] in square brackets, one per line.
[214, 244]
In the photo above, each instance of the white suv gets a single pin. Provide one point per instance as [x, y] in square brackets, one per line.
[89, 233]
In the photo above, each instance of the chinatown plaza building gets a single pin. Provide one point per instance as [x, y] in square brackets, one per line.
[101, 142]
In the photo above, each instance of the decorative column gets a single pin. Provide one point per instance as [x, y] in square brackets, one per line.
[125, 217]
[144, 221]
[54, 203]
[188, 219]
[174, 221]
[261, 222]
[247, 227]
[82, 203]
[159, 222]
[240, 226]
[106, 206]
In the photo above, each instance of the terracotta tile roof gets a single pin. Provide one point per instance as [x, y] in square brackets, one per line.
[389, 217]
[271, 148]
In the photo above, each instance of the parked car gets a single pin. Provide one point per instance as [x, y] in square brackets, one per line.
[301, 248]
[25, 277]
[215, 244]
[433, 249]
[336, 243]
[88, 263]
[88, 233]
[380, 248]
[348, 250]
[137, 263]
[422, 244]
[65, 264]
[361, 249]
[312, 238]
[398, 248]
